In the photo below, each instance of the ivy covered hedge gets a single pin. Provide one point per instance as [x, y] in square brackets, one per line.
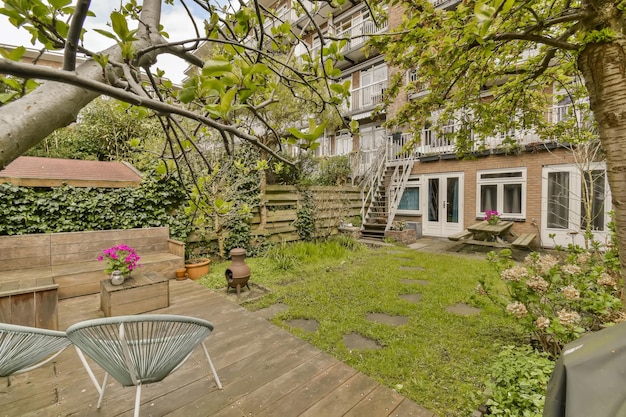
[155, 203]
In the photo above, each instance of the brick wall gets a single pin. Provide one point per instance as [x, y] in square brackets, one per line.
[533, 162]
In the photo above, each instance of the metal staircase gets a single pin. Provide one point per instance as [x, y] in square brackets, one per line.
[382, 197]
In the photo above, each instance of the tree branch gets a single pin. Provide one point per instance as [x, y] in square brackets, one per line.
[30, 71]
[71, 43]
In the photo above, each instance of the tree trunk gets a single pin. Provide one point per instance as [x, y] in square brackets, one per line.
[27, 121]
[603, 66]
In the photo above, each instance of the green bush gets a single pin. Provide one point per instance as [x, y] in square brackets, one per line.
[518, 382]
[558, 297]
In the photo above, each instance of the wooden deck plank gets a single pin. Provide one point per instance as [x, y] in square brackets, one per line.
[341, 400]
[378, 402]
[265, 371]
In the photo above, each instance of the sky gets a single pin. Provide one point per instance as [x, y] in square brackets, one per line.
[174, 20]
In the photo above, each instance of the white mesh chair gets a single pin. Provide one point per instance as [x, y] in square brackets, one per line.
[138, 350]
[24, 348]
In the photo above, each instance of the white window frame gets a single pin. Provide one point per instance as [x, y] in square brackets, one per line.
[343, 144]
[413, 182]
[500, 183]
[573, 233]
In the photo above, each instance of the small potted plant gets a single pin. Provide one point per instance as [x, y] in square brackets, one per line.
[492, 217]
[120, 258]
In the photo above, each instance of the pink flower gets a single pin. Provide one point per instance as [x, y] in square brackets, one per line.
[121, 258]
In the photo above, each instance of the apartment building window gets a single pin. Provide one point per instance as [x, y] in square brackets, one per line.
[372, 138]
[503, 191]
[343, 144]
[576, 198]
[410, 201]
[373, 85]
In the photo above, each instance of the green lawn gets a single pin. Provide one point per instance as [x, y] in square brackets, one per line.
[438, 359]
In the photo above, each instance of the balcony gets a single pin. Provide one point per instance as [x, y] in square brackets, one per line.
[368, 97]
[438, 143]
[356, 36]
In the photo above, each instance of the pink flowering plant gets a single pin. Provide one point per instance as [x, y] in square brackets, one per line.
[558, 297]
[492, 216]
[121, 258]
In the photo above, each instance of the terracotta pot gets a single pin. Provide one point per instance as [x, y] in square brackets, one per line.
[181, 274]
[197, 267]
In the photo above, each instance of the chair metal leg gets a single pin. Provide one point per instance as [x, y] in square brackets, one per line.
[137, 400]
[103, 387]
[99, 388]
[217, 379]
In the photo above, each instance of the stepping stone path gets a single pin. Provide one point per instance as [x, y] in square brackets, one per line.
[415, 281]
[463, 310]
[307, 325]
[412, 298]
[387, 319]
[355, 341]
[411, 268]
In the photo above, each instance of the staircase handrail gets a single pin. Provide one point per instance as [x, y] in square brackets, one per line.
[371, 182]
[397, 187]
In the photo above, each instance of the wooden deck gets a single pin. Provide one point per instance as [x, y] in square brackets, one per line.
[265, 371]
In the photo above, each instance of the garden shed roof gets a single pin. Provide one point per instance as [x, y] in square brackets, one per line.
[32, 171]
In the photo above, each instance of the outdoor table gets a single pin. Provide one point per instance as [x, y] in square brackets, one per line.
[489, 231]
[141, 293]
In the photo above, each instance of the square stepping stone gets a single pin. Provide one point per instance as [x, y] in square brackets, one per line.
[355, 341]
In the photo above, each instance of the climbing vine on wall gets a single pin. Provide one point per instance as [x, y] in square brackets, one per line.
[68, 209]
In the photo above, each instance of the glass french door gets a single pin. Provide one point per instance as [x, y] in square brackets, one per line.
[444, 204]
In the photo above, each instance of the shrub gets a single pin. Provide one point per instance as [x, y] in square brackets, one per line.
[518, 382]
[558, 297]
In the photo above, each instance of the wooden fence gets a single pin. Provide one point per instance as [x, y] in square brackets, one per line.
[331, 206]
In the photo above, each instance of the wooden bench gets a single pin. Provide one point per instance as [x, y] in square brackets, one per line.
[461, 235]
[70, 259]
[524, 240]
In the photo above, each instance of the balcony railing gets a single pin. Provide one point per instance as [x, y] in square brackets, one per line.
[367, 97]
[440, 142]
[357, 35]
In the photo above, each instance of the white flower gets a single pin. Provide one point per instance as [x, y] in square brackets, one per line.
[607, 280]
[568, 318]
[537, 284]
[517, 309]
[571, 269]
[514, 274]
[546, 263]
[542, 323]
[570, 293]
[583, 258]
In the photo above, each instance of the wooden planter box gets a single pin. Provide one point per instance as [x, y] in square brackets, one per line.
[139, 294]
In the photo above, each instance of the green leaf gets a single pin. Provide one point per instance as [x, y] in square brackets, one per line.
[106, 33]
[216, 67]
[15, 55]
[59, 4]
